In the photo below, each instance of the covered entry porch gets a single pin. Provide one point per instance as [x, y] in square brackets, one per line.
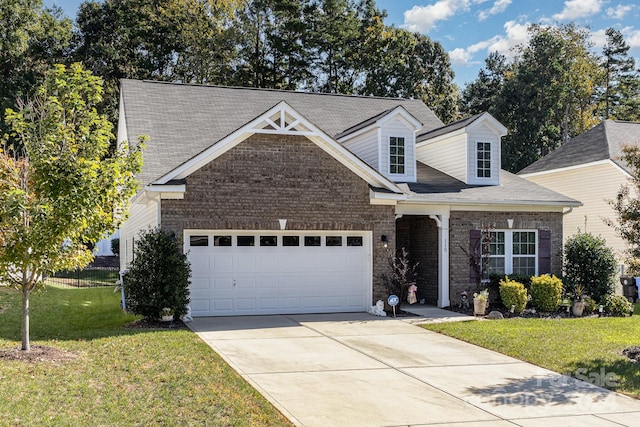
[425, 236]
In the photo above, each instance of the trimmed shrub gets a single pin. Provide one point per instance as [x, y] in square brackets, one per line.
[495, 279]
[158, 276]
[617, 305]
[513, 293]
[590, 305]
[546, 293]
[590, 263]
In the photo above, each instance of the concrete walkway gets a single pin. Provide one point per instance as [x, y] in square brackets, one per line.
[355, 369]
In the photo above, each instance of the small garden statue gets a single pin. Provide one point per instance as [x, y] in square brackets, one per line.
[411, 297]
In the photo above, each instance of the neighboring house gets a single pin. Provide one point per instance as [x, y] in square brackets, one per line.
[589, 168]
[103, 247]
[291, 202]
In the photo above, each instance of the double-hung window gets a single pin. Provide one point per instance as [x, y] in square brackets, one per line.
[483, 158]
[396, 154]
[513, 252]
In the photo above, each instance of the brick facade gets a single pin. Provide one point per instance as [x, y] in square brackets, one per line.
[269, 177]
[462, 222]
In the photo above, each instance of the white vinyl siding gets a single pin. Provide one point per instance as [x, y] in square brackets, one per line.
[143, 215]
[400, 129]
[592, 185]
[448, 155]
[482, 134]
[365, 146]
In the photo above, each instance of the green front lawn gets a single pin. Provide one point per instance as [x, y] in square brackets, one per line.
[581, 348]
[119, 376]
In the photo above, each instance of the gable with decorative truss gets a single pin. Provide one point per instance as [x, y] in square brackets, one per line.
[281, 119]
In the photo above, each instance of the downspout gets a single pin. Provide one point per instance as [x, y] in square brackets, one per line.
[568, 212]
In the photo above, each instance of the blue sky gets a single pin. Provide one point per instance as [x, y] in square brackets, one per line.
[470, 29]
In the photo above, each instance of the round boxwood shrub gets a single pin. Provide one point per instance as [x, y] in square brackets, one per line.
[617, 305]
[546, 293]
[514, 294]
[158, 276]
[589, 263]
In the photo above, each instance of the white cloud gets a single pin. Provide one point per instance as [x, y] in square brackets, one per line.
[574, 9]
[599, 38]
[619, 11]
[498, 7]
[424, 18]
[631, 36]
[515, 34]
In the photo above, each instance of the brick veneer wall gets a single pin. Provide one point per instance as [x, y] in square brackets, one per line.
[268, 177]
[461, 222]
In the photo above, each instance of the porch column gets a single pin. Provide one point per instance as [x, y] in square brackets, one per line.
[442, 221]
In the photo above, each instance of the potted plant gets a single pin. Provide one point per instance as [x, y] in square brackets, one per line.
[578, 300]
[166, 315]
[480, 300]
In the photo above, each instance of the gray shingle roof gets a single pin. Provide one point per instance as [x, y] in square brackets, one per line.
[603, 141]
[435, 186]
[184, 120]
[432, 133]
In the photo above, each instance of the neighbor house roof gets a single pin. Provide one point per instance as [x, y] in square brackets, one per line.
[184, 120]
[602, 142]
[437, 187]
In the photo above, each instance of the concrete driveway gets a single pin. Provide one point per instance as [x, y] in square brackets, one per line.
[355, 369]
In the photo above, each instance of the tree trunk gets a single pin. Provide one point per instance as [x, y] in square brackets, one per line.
[26, 345]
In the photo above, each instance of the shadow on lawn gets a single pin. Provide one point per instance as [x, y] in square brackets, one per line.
[619, 375]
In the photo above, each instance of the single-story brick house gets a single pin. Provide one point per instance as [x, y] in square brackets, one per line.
[290, 202]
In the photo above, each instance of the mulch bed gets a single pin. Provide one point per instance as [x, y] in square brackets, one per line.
[633, 353]
[38, 353]
[155, 324]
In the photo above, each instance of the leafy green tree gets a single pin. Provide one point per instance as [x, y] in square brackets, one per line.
[483, 94]
[274, 44]
[32, 39]
[547, 99]
[621, 91]
[158, 277]
[62, 187]
[409, 65]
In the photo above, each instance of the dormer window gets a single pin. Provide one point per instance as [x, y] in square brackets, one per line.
[396, 154]
[483, 156]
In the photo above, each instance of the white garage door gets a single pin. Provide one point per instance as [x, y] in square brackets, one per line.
[278, 272]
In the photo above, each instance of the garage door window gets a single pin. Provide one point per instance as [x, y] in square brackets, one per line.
[312, 240]
[221, 240]
[354, 241]
[268, 241]
[334, 241]
[246, 241]
[290, 240]
[199, 241]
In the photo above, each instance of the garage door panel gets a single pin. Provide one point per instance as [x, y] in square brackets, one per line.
[223, 304]
[222, 262]
[233, 280]
[222, 283]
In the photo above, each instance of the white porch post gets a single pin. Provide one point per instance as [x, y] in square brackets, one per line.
[442, 221]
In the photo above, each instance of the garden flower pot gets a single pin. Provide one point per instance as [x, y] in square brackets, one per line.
[577, 308]
[168, 318]
[479, 306]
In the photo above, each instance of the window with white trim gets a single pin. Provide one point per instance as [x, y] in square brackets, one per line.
[396, 154]
[513, 252]
[483, 159]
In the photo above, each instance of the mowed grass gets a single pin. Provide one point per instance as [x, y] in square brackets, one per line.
[583, 348]
[120, 377]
